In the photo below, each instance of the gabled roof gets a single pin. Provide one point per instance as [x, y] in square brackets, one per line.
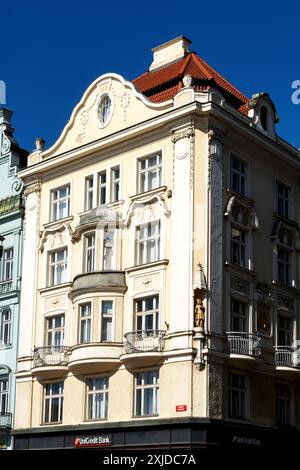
[165, 82]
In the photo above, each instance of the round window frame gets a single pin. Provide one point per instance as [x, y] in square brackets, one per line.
[100, 123]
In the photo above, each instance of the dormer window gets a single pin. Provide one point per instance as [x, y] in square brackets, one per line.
[264, 118]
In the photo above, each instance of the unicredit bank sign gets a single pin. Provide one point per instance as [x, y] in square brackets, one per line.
[93, 441]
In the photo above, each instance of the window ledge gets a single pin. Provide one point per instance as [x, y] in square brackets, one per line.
[240, 269]
[58, 222]
[154, 264]
[240, 196]
[147, 194]
[289, 222]
[280, 285]
[56, 287]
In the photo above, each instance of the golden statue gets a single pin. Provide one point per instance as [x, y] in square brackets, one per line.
[199, 313]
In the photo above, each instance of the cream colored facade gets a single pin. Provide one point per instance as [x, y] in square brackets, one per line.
[188, 216]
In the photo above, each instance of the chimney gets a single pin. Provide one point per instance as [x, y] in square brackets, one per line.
[5, 121]
[170, 52]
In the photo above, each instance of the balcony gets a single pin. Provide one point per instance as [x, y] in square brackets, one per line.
[50, 362]
[287, 361]
[5, 287]
[5, 421]
[244, 349]
[91, 358]
[143, 347]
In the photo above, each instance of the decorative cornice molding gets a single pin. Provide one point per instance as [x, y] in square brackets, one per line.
[143, 202]
[57, 228]
[190, 132]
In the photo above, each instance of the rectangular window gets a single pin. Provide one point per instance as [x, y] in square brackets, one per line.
[102, 188]
[53, 402]
[115, 184]
[55, 330]
[8, 261]
[147, 313]
[147, 393]
[97, 398]
[283, 265]
[109, 250]
[148, 243]
[238, 176]
[85, 322]
[237, 396]
[284, 402]
[89, 252]
[238, 246]
[285, 331]
[238, 317]
[3, 395]
[60, 202]
[107, 320]
[150, 172]
[58, 266]
[89, 193]
[282, 199]
[5, 338]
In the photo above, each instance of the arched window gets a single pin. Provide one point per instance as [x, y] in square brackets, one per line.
[264, 118]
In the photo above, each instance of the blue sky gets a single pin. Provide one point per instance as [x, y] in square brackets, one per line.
[52, 50]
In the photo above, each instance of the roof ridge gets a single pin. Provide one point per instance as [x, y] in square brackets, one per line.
[186, 61]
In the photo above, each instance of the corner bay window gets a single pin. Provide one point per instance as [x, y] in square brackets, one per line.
[115, 184]
[238, 175]
[148, 242]
[53, 402]
[237, 396]
[147, 313]
[89, 252]
[147, 393]
[149, 172]
[85, 322]
[107, 320]
[89, 193]
[97, 398]
[60, 202]
[58, 266]
[5, 332]
[109, 251]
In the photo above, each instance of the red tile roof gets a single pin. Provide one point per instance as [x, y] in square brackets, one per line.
[164, 83]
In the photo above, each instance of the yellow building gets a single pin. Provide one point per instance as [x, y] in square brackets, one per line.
[161, 268]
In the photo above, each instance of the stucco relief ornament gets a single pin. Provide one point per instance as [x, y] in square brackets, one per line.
[83, 119]
[31, 201]
[17, 186]
[124, 103]
[5, 144]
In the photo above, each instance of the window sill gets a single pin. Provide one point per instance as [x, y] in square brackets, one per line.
[243, 198]
[145, 416]
[147, 194]
[58, 222]
[240, 269]
[154, 264]
[54, 423]
[5, 346]
[53, 288]
[96, 420]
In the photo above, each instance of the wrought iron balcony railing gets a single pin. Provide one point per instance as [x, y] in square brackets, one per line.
[51, 356]
[144, 341]
[5, 420]
[244, 344]
[287, 356]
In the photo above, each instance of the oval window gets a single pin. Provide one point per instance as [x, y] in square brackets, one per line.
[104, 109]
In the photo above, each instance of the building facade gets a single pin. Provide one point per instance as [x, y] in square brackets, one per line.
[161, 256]
[12, 159]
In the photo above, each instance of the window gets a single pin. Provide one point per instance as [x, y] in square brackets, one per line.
[53, 402]
[109, 249]
[107, 320]
[283, 265]
[104, 109]
[285, 331]
[283, 401]
[115, 184]
[60, 203]
[97, 398]
[147, 313]
[3, 394]
[58, 267]
[238, 246]
[150, 172]
[237, 396]
[5, 337]
[8, 260]
[264, 118]
[89, 252]
[238, 318]
[89, 193]
[55, 330]
[85, 322]
[282, 199]
[147, 393]
[238, 176]
[102, 188]
[148, 243]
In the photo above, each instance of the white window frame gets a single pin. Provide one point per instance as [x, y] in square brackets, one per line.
[55, 202]
[107, 316]
[154, 312]
[241, 316]
[240, 244]
[4, 393]
[53, 330]
[8, 264]
[240, 175]
[95, 393]
[49, 398]
[144, 244]
[85, 320]
[54, 264]
[109, 243]
[102, 186]
[89, 252]
[115, 184]
[286, 265]
[89, 193]
[104, 110]
[6, 327]
[142, 388]
[287, 317]
[147, 170]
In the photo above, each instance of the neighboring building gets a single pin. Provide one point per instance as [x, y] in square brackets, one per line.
[161, 260]
[12, 159]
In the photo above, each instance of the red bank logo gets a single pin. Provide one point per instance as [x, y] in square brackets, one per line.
[92, 441]
[181, 408]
